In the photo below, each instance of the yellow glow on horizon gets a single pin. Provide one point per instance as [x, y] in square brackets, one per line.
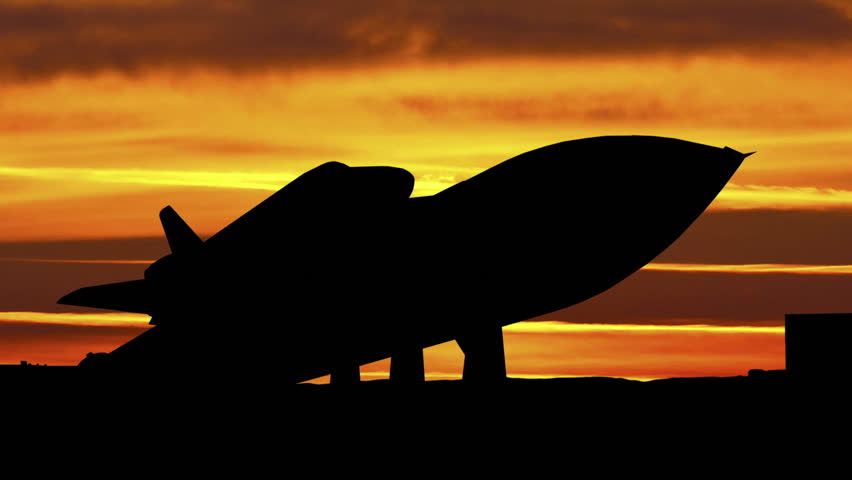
[437, 376]
[638, 352]
[744, 197]
[236, 179]
[541, 376]
[533, 349]
[732, 197]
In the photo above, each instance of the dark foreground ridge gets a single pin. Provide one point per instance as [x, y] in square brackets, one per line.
[83, 386]
[438, 417]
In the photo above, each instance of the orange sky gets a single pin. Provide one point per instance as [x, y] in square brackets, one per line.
[110, 110]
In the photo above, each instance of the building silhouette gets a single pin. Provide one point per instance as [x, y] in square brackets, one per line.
[817, 344]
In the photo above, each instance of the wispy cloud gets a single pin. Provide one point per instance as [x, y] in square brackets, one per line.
[735, 197]
[45, 38]
[89, 261]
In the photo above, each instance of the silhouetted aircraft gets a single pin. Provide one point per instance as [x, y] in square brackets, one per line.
[341, 268]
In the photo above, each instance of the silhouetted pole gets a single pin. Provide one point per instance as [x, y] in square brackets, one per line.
[346, 375]
[407, 367]
[484, 358]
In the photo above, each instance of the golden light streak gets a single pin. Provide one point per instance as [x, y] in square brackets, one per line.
[733, 197]
[268, 181]
[548, 327]
[79, 319]
[568, 328]
[751, 268]
[742, 197]
[236, 179]
[779, 268]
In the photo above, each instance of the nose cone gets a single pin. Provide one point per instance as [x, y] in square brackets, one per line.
[642, 170]
[632, 198]
[574, 218]
[640, 193]
[652, 185]
[663, 185]
[602, 182]
[689, 170]
[603, 174]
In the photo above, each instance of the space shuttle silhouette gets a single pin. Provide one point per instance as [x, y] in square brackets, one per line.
[341, 267]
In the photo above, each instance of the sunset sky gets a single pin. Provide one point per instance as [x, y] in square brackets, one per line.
[110, 110]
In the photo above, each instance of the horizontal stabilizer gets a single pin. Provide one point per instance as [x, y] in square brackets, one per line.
[130, 296]
[180, 235]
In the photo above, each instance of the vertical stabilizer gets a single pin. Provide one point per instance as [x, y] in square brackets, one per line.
[180, 236]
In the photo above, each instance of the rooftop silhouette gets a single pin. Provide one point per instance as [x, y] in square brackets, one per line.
[816, 345]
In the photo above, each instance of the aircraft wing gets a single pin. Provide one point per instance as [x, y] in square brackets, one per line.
[326, 191]
[303, 215]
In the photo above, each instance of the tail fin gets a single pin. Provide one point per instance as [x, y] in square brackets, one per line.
[180, 236]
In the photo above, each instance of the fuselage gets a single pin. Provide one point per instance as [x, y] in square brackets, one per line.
[340, 268]
[534, 234]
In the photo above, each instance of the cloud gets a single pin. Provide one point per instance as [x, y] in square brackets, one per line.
[677, 298]
[230, 146]
[733, 197]
[102, 250]
[36, 286]
[736, 197]
[805, 237]
[26, 122]
[46, 38]
[563, 107]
